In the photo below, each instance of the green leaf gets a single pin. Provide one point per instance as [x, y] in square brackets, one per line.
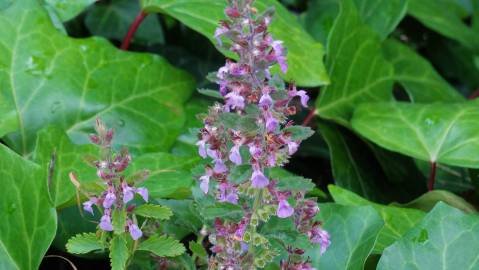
[417, 75]
[162, 246]
[304, 54]
[358, 70]
[169, 175]
[67, 157]
[428, 200]
[28, 218]
[397, 221]
[221, 210]
[437, 15]
[113, 19]
[210, 93]
[118, 253]
[118, 220]
[440, 132]
[153, 211]
[140, 95]
[198, 249]
[83, 243]
[289, 181]
[69, 9]
[299, 133]
[353, 232]
[445, 239]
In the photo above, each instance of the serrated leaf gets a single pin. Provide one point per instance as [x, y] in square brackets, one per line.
[68, 9]
[299, 133]
[83, 243]
[397, 221]
[197, 249]
[289, 181]
[440, 132]
[140, 95]
[353, 231]
[445, 239]
[358, 70]
[210, 93]
[162, 246]
[29, 219]
[118, 220]
[417, 75]
[304, 54]
[153, 211]
[118, 253]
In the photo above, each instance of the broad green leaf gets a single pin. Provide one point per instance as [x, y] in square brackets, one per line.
[28, 218]
[162, 246]
[358, 71]
[140, 95]
[113, 19]
[153, 211]
[185, 220]
[118, 252]
[197, 249]
[353, 232]
[417, 75]
[428, 200]
[68, 9]
[169, 176]
[439, 132]
[319, 18]
[9, 120]
[438, 15]
[67, 157]
[304, 54]
[84, 243]
[397, 221]
[445, 239]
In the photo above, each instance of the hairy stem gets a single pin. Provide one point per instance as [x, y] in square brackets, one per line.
[131, 32]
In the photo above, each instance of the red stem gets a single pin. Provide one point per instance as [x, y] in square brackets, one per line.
[474, 94]
[432, 177]
[131, 32]
[309, 117]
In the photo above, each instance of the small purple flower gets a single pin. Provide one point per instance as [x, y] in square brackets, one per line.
[319, 236]
[220, 167]
[212, 153]
[227, 193]
[279, 53]
[202, 148]
[235, 155]
[135, 232]
[128, 192]
[303, 96]
[234, 101]
[266, 100]
[219, 32]
[87, 206]
[258, 180]
[292, 147]
[271, 161]
[105, 223]
[271, 122]
[255, 150]
[143, 192]
[109, 200]
[284, 209]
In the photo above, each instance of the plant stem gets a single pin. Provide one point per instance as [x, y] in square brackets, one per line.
[432, 177]
[309, 117]
[131, 32]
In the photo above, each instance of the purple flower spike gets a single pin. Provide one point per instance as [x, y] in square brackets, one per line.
[109, 200]
[284, 209]
[105, 223]
[135, 232]
[235, 155]
[143, 193]
[258, 180]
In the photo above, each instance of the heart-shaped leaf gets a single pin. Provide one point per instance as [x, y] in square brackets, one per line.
[28, 218]
[304, 54]
[140, 95]
[440, 132]
[445, 239]
[68, 9]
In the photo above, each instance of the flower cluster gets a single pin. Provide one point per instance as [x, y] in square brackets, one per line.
[117, 192]
[251, 129]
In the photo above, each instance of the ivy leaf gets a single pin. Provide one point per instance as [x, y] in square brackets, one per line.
[84, 243]
[439, 132]
[397, 221]
[353, 232]
[153, 211]
[140, 95]
[162, 246]
[358, 70]
[428, 200]
[445, 239]
[417, 75]
[67, 157]
[169, 175]
[437, 15]
[118, 252]
[304, 54]
[28, 218]
[69, 9]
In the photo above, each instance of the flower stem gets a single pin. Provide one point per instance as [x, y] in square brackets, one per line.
[474, 94]
[131, 32]
[432, 177]
[309, 117]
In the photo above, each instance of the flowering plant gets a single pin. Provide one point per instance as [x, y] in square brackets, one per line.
[250, 134]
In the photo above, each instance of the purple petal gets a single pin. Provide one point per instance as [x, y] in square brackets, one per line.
[128, 194]
[258, 180]
[234, 100]
[271, 123]
[202, 148]
[220, 167]
[266, 100]
[284, 209]
[218, 32]
[292, 147]
[109, 200]
[254, 150]
[235, 155]
[204, 185]
[87, 206]
[143, 193]
[304, 98]
[135, 232]
[105, 223]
